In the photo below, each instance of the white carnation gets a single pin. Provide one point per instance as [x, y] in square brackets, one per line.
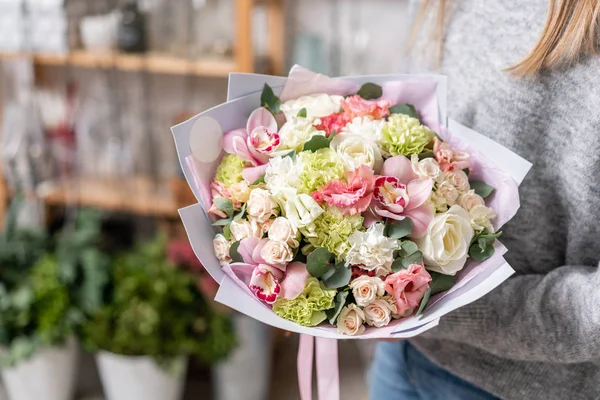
[366, 127]
[316, 105]
[294, 134]
[281, 178]
[371, 249]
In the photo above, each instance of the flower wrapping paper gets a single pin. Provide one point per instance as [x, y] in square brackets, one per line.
[199, 148]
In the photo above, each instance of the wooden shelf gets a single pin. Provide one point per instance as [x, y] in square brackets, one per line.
[138, 195]
[151, 62]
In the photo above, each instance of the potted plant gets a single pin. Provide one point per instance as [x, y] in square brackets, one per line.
[155, 319]
[40, 309]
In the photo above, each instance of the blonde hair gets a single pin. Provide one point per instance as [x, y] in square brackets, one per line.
[572, 29]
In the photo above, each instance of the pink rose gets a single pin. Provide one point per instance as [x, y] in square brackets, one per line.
[333, 122]
[449, 158]
[399, 194]
[351, 198]
[408, 286]
[356, 106]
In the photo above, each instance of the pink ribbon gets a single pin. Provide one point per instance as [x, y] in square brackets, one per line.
[328, 379]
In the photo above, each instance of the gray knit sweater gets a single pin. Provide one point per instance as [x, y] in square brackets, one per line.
[537, 336]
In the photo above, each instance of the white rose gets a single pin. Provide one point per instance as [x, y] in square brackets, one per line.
[379, 313]
[446, 193]
[445, 247]
[371, 250]
[316, 105]
[294, 134]
[427, 168]
[261, 205]
[302, 210]
[366, 289]
[282, 230]
[239, 192]
[355, 150]
[276, 253]
[265, 226]
[366, 127]
[281, 177]
[470, 199]
[244, 229]
[350, 320]
[480, 216]
[458, 179]
[221, 246]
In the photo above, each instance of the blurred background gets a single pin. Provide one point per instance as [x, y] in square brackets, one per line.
[100, 293]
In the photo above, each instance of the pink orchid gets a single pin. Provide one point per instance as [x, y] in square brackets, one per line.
[255, 143]
[408, 286]
[356, 106]
[333, 123]
[449, 158]
[261, 278]
[399, 194]
[351, 198]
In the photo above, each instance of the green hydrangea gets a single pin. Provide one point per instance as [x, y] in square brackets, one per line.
[308, 309]
[229, 171]
[404, 135]
[318, 168]
[332, 230]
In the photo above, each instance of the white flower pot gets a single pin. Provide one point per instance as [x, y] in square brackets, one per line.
[139, 378]
[49, 375]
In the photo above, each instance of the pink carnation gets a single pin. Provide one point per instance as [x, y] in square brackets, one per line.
[356, 106]
[408, 286]
[351, 198]
[217, 189]
[449, 158]
[333, 122]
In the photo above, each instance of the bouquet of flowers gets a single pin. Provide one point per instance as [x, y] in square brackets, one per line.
[346, 206]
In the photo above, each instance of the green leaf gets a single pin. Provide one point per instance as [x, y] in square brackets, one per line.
[319, 262]
[223, 222]
[269, 100]
[258, 181]
[302, 113]
[398, 265]
[409, 248]
[240, 214]
[227, 232]
[481, 188]
[291, 154]
[399, 229]
[406, 109]
[440, 282]
[340, 302]
[370, 91]
[426, 154]
[478, 253]
[424, 301]
[467, 171]
[317, 142]
[224, 204]
[337, 277]
[233, 253]
[415, 258]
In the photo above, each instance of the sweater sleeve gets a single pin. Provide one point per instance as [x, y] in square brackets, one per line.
[546, 318]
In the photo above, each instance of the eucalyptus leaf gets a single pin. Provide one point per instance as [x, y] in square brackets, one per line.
[269, 100]
[481, 254]
[227, 231]
[370, 91]
[415, 258]
[424, 301]
[224, 204]
[223, 222]
[406, 109]
[398, 265]
[339, 278]
[319, 262]
[481, 188]
[340, 302]
[440, 282]
[409, 248]
[399, 229]
[302, 113]
[317, 142]
[233, 252]
[240, 214]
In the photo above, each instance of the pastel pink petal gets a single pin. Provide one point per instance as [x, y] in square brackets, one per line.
[418, 191]
[246, 249]
[256, 253]
[261, 117]
[421, 218]
[251, 174]
[399, 167]
[240, 149]
[242, 271]
[229, 137]
[295, 280]
[229, 272]
[275, 271]
[369, 218]
[385, 213]
[361, 205]
[259, 157]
